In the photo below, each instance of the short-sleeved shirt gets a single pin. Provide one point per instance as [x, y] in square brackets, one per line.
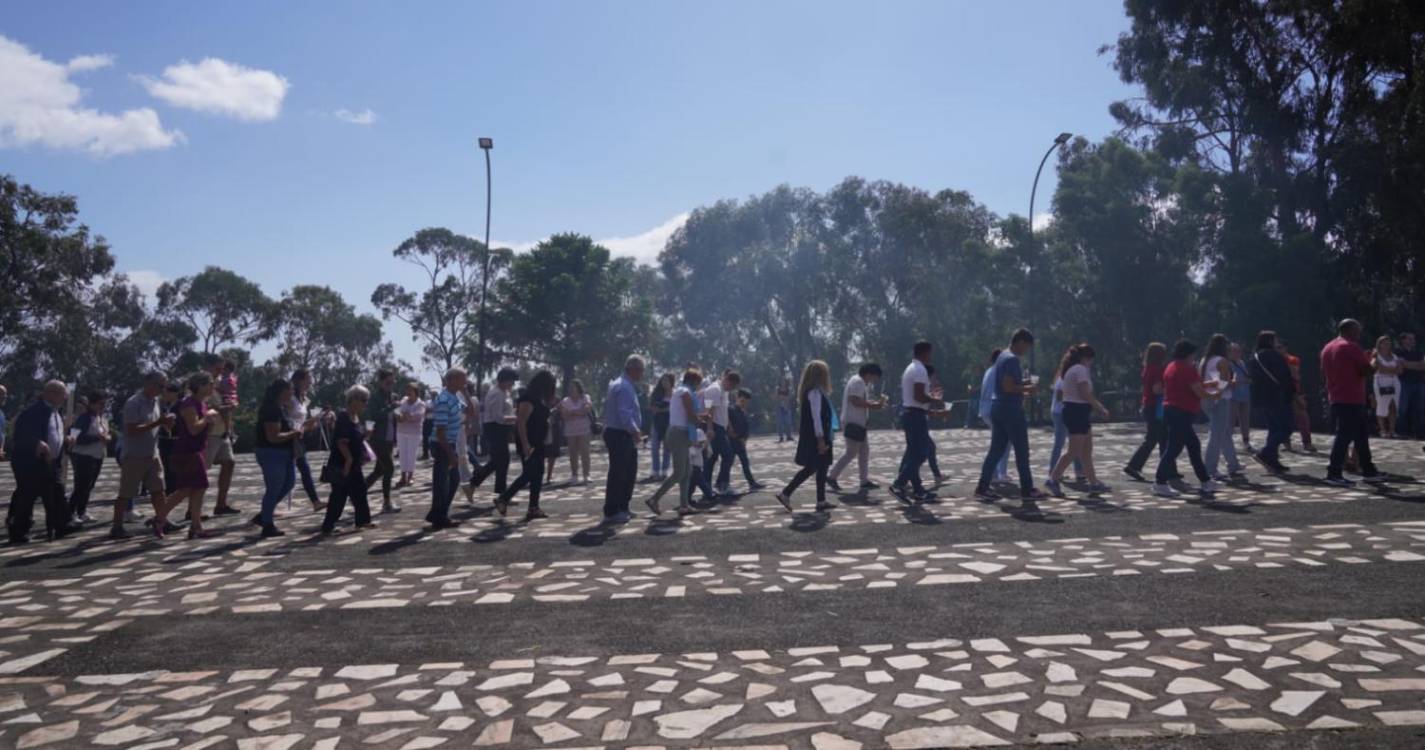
[1151, 376]
[914, 373]
[183, 440]
[737, 420]
[496, 406]
[677, 413]
[1007, 366]
[141, 409]
[1407, 376]
[449, 412]
[413, 413]
[537, 428]
[1178, 380]
[851, 413]
[661, 408]
[215, 400]
[576, 425]
[1072, 384]
[1345, 364]
[352, 431]
[716, 399]
[271, 412]
[379, 408]
[987, 392]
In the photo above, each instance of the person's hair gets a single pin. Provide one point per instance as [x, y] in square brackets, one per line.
[1021, 336]
[1347, 325]
[1403, 334]
[95, 396]
[357, 393]
[1384, 340]
[542, 385]
[274, 391]
[1267, 340]
[173, 388]
[1156, 352]
[692, 376]
[1216, 347]
[1183, 349]
[154, 377]
[416, 385]
[732, 376]
[454, 372]
[507, 375]
[744, 393]
[197, 380]
[383, 373]
[1074, 355]
[634, 360]
[815, 375]
[577, 385]
[921, 348]
[671, 379]
[994, 355]
[229, 366]
[870, 368]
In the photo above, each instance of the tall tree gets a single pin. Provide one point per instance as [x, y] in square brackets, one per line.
[568, 303]
[318, 330]
[442, 315]
[222, 307]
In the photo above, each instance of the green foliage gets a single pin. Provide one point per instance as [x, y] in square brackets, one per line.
[222, 308]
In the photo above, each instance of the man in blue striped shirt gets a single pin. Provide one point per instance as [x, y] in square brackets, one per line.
[623, 428]
[449, 416]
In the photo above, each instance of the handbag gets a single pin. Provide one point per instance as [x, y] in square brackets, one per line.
[1386, 390]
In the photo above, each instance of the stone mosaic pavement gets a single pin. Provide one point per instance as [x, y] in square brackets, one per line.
[1282, 605]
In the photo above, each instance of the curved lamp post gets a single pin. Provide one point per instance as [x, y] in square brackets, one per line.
[485, 145]
[1059, 140]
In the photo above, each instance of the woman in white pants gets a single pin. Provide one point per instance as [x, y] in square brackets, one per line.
[856, 406]
[1218, 376]
[410, 416]
[577, 413]
[1387, 385]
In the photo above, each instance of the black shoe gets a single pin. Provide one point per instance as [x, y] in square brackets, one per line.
[900, 493]
[256, 520]
[118, 532]
[18, 540]
[835, 487]
[1135, 473]
[271, 531]
[444, 524]
[986, 495]
[225, 510]
[870, 486]
[535, 514]
[756, 486]
[825, 506]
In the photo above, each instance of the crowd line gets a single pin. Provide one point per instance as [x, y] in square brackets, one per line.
[174, 434]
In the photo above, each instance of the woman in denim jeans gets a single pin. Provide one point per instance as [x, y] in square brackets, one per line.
[662, 456]
[1218, 376]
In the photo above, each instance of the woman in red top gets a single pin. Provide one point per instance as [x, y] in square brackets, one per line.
[1183, 394]
[1154, 435]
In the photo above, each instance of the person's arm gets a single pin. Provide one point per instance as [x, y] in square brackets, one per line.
[814, 401]
[343, 446]
[923, 397]
[1010, 384]
[522, 429]
[509, 417]
[1203, 393]
[862, 403]
[189, 415]
[1087, 394]
[690, 409]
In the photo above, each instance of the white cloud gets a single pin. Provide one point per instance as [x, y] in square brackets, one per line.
[39, 106]
[364, 117]
[85, 63]
[646, 246]
[1042, 220]
[220, 87]
[148, 282]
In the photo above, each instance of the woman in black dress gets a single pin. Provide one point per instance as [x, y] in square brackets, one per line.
[815, 437]
[343, 469]
[531, 428]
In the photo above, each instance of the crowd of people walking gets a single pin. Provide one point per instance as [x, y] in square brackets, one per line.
[172, 436]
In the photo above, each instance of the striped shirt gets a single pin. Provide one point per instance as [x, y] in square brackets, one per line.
[449, 412]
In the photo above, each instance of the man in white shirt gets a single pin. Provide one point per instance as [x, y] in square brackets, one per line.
[498, 414]
[715, 401]
[917, 399]
[856, 408]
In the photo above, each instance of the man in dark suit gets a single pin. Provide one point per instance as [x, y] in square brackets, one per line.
[38, 443]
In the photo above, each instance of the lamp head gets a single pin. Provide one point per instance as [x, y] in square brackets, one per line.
[1063, 138]
[487, 143]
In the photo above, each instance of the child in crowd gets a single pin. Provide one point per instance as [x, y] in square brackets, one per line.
[738, 427]
[227, 388]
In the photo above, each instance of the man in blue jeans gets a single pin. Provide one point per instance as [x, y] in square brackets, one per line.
[917, 399]
[445, 475]
[1412, 389]
[1007, 422]
[1273, 391]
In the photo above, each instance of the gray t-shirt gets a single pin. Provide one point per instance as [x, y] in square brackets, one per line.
[141, 409]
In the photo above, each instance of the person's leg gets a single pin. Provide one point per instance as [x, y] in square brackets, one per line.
[821, 467]
[1303, 424]
[361, 504]
[843, 460]
[1061, 437]
[225, 475]
[1278, 419]
[195, 511]
[309, 485]
[29, 483]
[1018, 427]
[931, 459]
[1217, 429]
[1227, 447]
[723, 446]
[1342, 424]
[999, 443]
[801, 476]
[536, 483]
[739, 449]
[274, 463]
[1362, 442]
[917, 440]
[1174, 424]
[86, 473]
[442, 474]
[618, 487]
[1194, 451]
[677, 442]
[655, 447]
[1084, 457]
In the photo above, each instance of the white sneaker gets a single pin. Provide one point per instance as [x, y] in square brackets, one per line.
[1164, 490]
[133, 516]
[1208, 487]
[76, 520]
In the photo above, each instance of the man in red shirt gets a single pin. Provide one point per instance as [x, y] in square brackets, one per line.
[1345, 366]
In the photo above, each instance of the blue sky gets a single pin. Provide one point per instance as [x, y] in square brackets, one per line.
[609, 118]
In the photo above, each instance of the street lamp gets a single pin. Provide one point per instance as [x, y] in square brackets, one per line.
[485, 145]
[1059, 140]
